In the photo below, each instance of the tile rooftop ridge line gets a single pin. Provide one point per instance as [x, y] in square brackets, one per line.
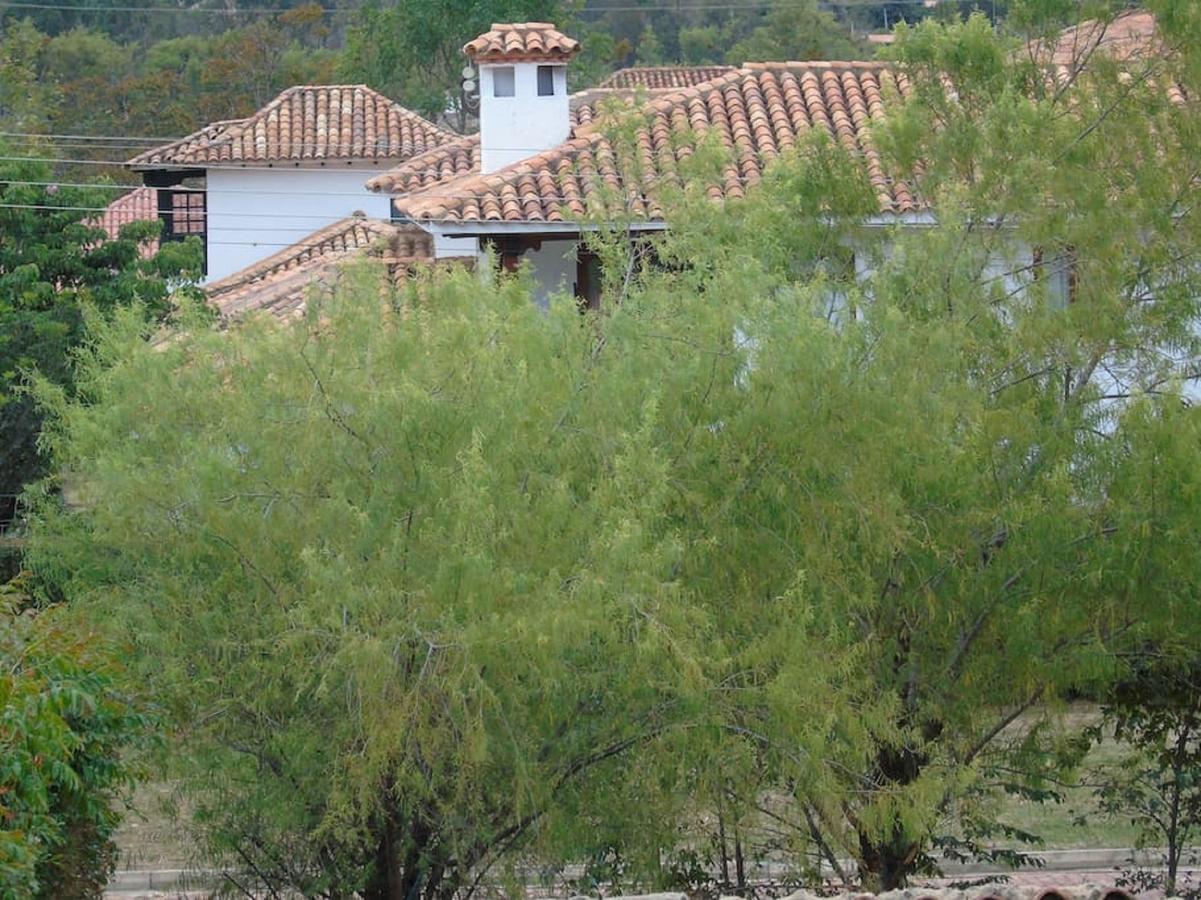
[229, 130]
[631, 77]
[820, 64]
[672, 67]
[295, 89]
[430, 159]
[849, 120]
[582, 97]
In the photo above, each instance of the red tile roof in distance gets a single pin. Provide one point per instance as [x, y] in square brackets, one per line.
[521, 42]
[1127, 36]
[658, 78]
[757, 112]
[139, 205]
[306, 123]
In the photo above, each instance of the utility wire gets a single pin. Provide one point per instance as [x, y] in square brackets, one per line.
[245, 11]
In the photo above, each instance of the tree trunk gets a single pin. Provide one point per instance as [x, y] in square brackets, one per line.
[885, 866]
[739, 864]
[886, 863]
[386, 882]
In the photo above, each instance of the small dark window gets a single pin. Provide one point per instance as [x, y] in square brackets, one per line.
[504, 83]
[546, 81]
[588, 280]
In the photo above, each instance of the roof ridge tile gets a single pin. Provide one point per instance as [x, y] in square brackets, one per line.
[315, 130]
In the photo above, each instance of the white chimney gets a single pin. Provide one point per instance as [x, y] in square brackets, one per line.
[524, 108]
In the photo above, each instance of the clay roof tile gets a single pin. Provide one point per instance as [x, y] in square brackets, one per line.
[521, 41]
[307, 122]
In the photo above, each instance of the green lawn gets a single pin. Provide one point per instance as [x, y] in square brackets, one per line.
[1076, 822]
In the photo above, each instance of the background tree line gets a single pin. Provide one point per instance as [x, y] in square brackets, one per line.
[164, 73]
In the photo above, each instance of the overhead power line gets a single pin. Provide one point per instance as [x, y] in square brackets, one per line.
[249, 11]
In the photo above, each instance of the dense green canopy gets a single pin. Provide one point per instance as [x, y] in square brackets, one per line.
[443, 581]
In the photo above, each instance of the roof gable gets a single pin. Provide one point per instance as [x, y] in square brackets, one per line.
[1127, 36]
[303, 124]
[139, 205]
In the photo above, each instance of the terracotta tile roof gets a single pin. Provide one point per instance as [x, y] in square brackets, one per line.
[522, 41]
[757, 112]
[1127, 36]
[441, 164]
[656, 78]
[139, 205]
[307, 122]
[462, 155]
[1131, 37]
[280, 283]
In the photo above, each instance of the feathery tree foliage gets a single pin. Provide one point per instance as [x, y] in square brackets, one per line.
[430, 582]
[400, 574]
[974, 491]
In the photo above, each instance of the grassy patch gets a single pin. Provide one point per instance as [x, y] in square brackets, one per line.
[1076, 822]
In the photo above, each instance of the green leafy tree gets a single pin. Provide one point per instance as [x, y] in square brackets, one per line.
[796, 30]
[413, 51]
[701, 44]
[246, 67]
[650, 51]
[68, 729]
[1156, 713]
[936, 512]
[53, 263]
[409, 612]
[26, 104]
[432, 581]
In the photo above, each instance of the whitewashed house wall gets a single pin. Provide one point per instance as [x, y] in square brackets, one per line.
[255, 213]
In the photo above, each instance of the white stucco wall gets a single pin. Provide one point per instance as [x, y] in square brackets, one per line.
[448, 246]
[515, 128]
[253, 214]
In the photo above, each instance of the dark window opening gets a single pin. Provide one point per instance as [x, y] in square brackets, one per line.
[546, 81]
[588, 280]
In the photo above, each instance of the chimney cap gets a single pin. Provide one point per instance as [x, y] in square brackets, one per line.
[522, 41]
